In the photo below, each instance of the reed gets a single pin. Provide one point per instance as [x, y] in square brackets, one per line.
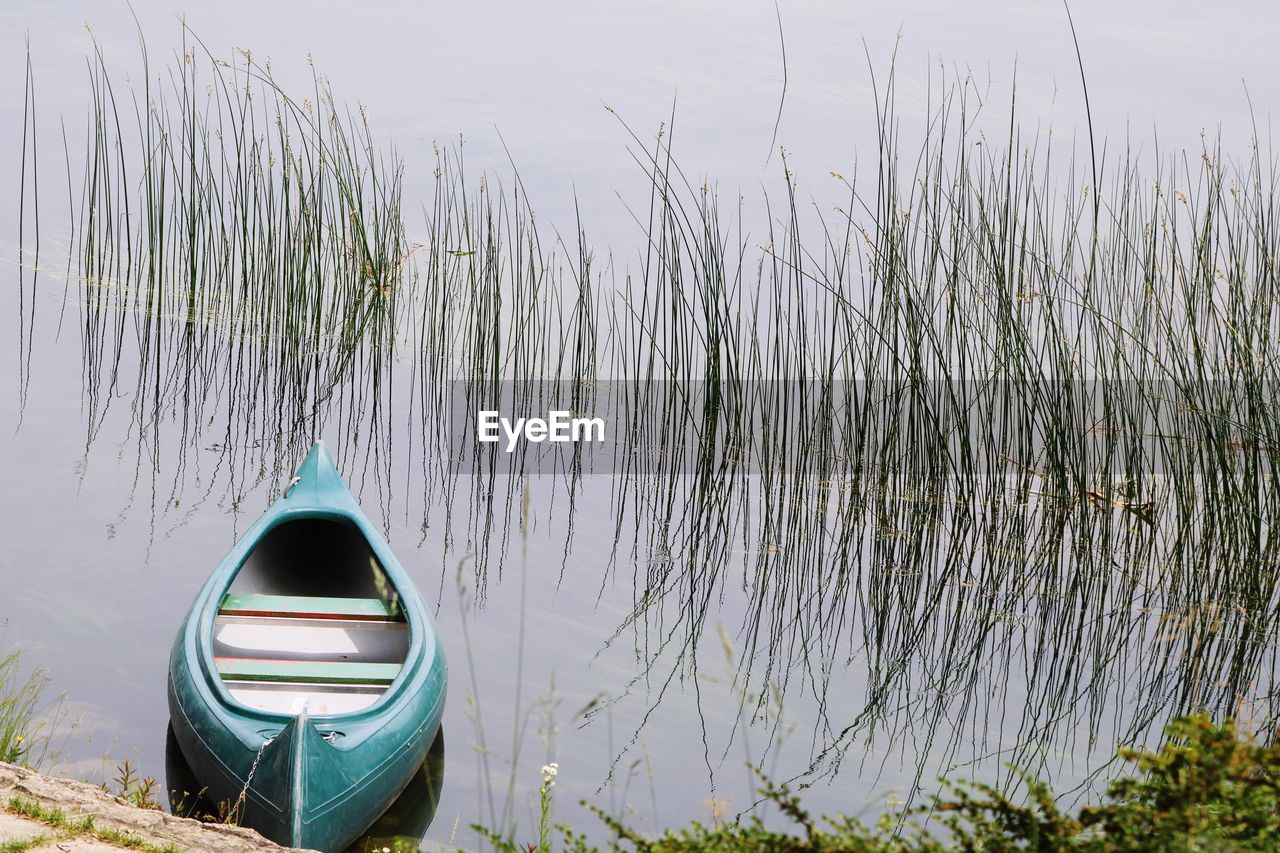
[997, 432]
[233, 248]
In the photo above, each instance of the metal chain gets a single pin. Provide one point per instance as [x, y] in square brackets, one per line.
[234, 815]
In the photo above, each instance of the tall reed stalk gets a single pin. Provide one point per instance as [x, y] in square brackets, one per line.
[995, 436]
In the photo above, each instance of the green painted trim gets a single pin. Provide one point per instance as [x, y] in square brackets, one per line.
[309, 607]
[307, 671]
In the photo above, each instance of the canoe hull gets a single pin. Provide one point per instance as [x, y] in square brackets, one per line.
[311, 781]
[305, 792]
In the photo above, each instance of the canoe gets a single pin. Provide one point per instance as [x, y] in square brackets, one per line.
[404, 826]
[307, 682]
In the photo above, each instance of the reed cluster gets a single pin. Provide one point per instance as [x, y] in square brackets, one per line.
[233, 248]
[997, 431]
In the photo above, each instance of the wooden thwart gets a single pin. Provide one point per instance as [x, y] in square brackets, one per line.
[309, 607]
[307, 671]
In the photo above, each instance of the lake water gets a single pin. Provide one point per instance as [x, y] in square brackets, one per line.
[620, 625]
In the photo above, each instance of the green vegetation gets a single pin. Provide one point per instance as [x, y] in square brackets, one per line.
[1209, 787]
[22, 846]
[997, 431]
[139, 791]
[20, 732]
[230, 242]
[72, 828]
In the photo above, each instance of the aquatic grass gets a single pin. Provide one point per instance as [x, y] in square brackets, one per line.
[994, 431]
[945, 394]
[233, 245]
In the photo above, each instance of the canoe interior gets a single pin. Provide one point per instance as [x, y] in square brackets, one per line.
[293, 699]
[310, 622]
[318, 557]
[277, 638]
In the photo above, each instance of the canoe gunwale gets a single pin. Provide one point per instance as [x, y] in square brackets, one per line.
[223, 738]
[222, 579]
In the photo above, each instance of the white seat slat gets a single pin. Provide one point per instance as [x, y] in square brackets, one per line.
[298, 698]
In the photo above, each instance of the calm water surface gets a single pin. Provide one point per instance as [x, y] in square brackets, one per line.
[634, 665]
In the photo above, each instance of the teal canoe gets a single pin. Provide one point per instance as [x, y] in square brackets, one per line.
[307, 683]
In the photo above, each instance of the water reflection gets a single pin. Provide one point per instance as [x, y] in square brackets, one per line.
[939, 494]
[402, 827]
[405, 824]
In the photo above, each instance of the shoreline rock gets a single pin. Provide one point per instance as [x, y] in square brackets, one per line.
[81, 799]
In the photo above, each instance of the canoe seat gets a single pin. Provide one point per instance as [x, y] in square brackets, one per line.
[277, 638]
[310, 607]
[293, 699]
[307, 671]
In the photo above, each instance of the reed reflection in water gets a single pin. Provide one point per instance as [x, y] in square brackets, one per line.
[997, 447]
